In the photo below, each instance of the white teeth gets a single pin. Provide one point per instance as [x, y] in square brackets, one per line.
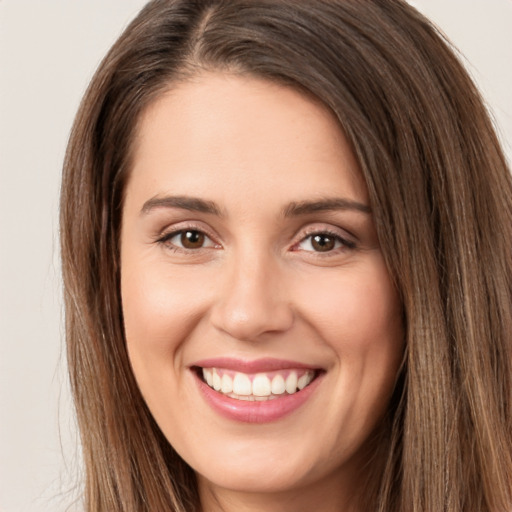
[261, 385]
[305, 380]
[217, 382]
[291, 383]
[242, 384]
[278, 385]
[207, 375]
[227, 384]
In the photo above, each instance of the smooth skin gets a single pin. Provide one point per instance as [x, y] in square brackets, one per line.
[247, 233]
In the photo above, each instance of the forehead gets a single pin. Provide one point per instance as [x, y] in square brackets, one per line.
[227, 135]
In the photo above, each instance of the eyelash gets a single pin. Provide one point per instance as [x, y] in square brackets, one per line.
[166, 238]
[344, 244]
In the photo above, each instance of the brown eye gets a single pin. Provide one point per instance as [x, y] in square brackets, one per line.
[326, 242]
[192, 239]
[187, 240]
[323, 243]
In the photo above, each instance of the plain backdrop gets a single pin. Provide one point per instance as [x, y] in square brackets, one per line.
[49, 50]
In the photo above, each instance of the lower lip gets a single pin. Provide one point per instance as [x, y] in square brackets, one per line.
[264, 411]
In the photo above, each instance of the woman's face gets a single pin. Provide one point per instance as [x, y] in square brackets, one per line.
[249, 259]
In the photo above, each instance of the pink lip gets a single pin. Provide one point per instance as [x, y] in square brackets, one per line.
[256, 366]
[257, 411]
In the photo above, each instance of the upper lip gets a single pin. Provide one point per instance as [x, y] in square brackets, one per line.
[266, 364]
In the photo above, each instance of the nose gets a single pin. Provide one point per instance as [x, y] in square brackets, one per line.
[251, 301]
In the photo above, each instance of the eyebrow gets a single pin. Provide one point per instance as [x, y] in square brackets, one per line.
[324, 205]
[184, 202]
[294, 209]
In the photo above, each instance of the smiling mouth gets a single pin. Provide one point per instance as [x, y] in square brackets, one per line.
[257, 386]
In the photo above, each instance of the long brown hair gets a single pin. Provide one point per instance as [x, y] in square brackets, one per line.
[441, 196]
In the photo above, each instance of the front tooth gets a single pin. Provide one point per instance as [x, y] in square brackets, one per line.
[242, 384]
[207, 375]
[278, 385]
[217, 382]
[291, 383]
[261, 385]
[305, 380]
[227, 384]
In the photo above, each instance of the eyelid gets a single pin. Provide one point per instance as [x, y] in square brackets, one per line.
[340, 234]
[165, 235]
[347, 240]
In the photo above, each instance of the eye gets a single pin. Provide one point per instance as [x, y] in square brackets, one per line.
[324, 242]
[188, 239]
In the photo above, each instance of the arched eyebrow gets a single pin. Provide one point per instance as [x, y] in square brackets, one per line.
[295, 209]
[183, 202]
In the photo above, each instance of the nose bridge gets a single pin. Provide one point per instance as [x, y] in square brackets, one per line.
[252, 300]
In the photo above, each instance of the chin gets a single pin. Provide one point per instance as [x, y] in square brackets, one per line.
[270, 464]
[251, 478]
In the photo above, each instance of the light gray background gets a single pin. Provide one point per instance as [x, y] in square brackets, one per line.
[48, 52]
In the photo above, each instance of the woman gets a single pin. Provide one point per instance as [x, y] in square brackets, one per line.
[286, 234]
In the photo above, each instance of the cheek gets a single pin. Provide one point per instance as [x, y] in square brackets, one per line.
[357, 312]
[358, 315]
[159, 306]
[160, 311]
